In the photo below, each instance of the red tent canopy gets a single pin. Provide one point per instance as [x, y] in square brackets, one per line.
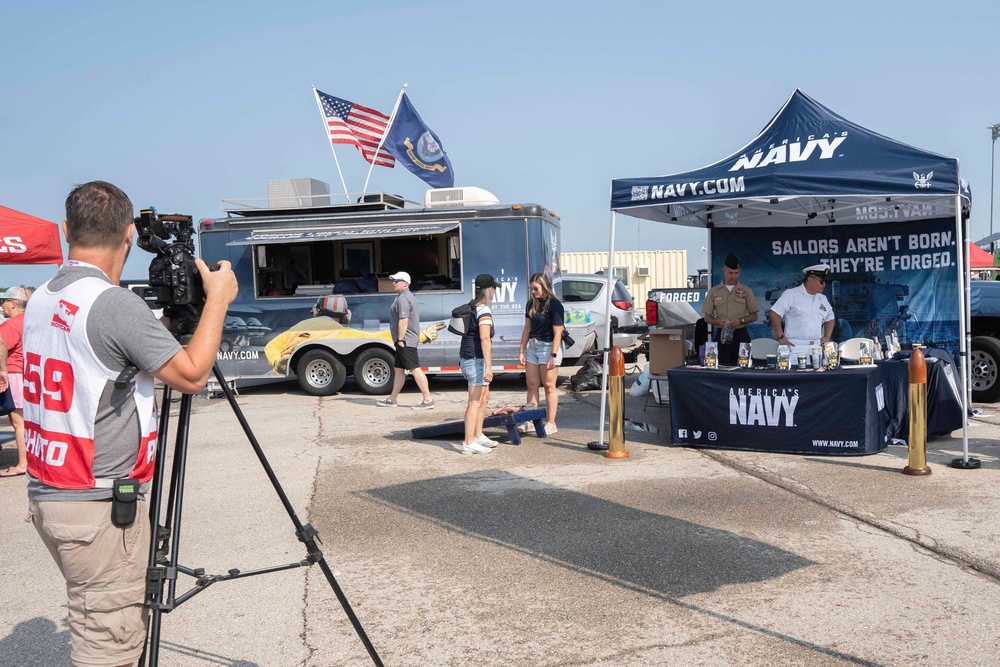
[979, 258]
[25, 239]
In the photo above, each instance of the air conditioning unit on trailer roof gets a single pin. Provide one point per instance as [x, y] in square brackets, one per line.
[456, 197]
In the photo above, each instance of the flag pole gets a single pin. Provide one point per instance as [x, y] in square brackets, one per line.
[388, 126]
[326, 128]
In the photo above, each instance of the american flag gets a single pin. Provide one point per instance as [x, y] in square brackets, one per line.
[350, 123]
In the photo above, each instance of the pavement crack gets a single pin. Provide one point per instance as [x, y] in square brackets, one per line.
[310, 648]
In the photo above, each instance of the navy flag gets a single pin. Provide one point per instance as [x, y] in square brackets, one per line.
[414, 144]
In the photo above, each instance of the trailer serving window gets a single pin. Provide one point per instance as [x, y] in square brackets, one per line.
[354, 259]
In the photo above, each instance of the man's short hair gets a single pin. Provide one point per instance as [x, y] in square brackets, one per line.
[97, 215]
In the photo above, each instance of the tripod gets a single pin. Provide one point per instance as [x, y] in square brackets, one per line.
[163, 566]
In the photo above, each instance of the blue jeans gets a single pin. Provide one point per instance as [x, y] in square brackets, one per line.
[474, 371]
[539, 352]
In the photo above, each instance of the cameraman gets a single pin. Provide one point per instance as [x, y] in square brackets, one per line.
[84, 432]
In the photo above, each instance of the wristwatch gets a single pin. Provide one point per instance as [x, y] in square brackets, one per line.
[554, 355]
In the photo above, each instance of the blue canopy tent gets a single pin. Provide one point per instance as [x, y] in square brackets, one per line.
[808, 172]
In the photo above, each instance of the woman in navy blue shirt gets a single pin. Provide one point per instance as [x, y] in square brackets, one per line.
[476, 361]
[541, 346]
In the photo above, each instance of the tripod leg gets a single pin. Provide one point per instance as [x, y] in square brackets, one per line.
[305, 533]
[154, 585]
[158, 573]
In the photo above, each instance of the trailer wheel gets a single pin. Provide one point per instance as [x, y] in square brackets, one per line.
[373, 371]
[320, 373]
[984, 367]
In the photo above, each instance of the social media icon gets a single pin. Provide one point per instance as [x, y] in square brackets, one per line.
[712, 435]
[697, 435]
[682, 433]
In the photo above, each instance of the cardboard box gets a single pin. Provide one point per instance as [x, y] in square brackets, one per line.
[385, 285]
[666, 349]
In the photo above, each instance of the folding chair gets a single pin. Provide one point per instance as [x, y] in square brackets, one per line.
[662, 396]
[760, 348]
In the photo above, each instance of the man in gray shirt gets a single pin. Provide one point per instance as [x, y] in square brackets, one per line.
[404, 322]
[84, 432]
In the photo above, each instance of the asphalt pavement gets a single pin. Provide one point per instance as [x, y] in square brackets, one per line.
[548, 553]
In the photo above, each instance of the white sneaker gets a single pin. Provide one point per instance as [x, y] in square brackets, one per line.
[486, 442]
[524, 427]
[475, 448]
[550, 429]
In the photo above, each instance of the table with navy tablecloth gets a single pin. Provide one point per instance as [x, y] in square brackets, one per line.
[944, 398]
[840, 413]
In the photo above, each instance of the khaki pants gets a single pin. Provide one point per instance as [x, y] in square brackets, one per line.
[105, 571]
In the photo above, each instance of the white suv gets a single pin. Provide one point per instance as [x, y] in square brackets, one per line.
[586, 291]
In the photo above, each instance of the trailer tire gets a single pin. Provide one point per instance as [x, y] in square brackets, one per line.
[984, 366]
[373, 371]
[320, 373]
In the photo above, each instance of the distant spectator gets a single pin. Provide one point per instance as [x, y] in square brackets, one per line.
[12, 369]
[404, 323]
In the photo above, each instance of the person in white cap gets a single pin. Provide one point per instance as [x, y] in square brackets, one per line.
[404, 323]
[808, 315]
[12, 369]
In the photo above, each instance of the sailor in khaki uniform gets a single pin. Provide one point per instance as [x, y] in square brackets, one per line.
[808, 315]
[733, 302]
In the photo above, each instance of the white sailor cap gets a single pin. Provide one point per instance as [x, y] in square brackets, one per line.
[821, 270]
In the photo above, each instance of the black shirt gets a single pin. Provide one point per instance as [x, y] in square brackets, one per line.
[542, 323]
[471, 346]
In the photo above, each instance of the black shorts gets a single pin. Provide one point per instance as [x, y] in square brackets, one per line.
[406, 357]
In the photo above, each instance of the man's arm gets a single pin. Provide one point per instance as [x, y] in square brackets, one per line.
[3, 364]
[776, 325]
[708, 308]
[827, 331]
[752, 308]
[404, 322]
[188, 370]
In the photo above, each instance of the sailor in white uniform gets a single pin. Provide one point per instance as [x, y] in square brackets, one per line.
[807, 314]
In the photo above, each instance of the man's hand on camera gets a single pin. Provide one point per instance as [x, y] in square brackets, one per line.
[219, 284]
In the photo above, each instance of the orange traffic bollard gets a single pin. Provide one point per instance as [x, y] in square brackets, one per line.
[917, 439]
[616, 399]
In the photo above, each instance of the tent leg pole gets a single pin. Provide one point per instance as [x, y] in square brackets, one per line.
[607, 332]
[965, 342]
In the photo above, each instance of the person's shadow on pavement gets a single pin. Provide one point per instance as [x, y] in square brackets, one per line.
[35, 642]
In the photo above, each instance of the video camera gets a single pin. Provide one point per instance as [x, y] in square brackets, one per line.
[173, 275]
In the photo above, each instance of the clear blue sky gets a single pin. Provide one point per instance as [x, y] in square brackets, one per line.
[185, 103]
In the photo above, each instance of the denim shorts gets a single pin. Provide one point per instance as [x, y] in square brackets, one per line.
[539, 352]
[474, 371]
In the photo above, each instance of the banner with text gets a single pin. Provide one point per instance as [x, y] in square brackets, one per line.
[897, 277]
